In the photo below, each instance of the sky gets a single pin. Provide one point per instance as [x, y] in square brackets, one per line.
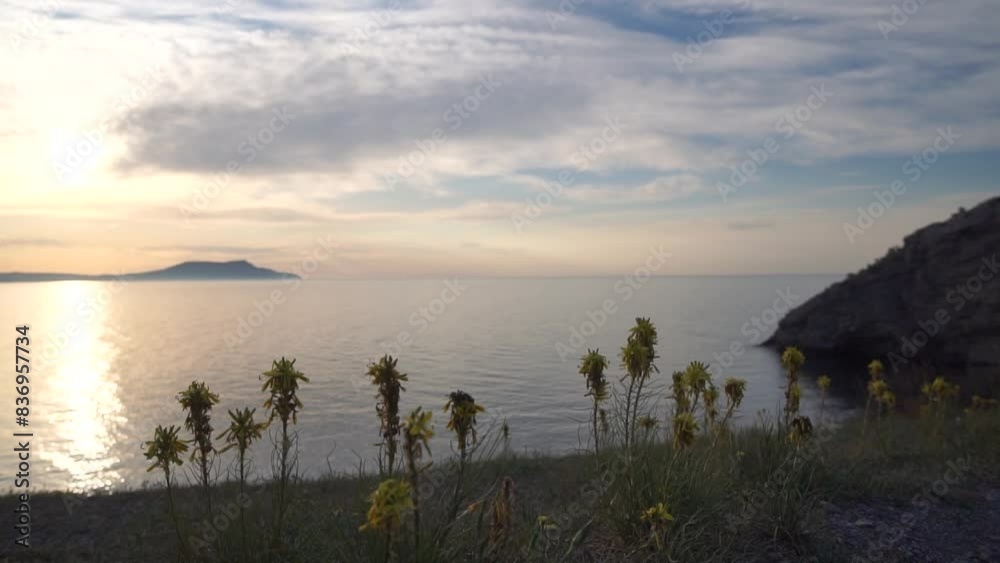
[424, 138]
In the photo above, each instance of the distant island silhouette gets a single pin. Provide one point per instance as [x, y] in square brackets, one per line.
[235, 270]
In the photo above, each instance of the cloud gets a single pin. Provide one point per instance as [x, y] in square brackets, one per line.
[365, 89]
[15, 242]
[750, 225]
[662, 189]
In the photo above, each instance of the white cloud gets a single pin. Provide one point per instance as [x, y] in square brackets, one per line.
[360, 110]
[664, 188]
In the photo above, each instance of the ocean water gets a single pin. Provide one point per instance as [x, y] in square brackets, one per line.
[108, 359]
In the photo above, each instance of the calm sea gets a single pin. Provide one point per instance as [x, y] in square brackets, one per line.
[109, 358]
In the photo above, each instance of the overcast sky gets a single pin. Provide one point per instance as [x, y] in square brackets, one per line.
[430, 138]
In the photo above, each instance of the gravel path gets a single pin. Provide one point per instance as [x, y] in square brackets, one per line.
[958, 526]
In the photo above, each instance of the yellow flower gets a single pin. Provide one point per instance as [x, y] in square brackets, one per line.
[657, 518]
[685, 429]
[390, 501]
[657, 514]
[165, 448]
[546, 523]
[824, 383]
[735, 389]
[888, 399]
[802, 429]
[793, 358]
[463, 409]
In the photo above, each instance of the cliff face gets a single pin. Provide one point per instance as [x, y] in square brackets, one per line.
[934, 301]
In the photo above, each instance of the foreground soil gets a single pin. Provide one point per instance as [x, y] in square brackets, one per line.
[962, 525]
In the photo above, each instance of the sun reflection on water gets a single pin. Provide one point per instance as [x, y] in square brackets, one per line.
[79, 388]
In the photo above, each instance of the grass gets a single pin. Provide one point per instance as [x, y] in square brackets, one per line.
[752, 493]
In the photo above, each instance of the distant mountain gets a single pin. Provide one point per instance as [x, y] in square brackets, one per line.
[236, 270]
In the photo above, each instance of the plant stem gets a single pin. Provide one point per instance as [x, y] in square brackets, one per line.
[282, 482]
[456, 501]
[206, 482]
[597, 440]
[628, 409]
[415, 495]
[243, 521]
[173, 513]
[635, 410]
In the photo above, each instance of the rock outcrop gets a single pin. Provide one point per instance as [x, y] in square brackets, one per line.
[935, 301]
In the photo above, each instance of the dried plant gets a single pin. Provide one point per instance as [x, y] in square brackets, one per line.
[502, 516]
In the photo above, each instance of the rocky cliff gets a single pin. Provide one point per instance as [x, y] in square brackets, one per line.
[935, 301]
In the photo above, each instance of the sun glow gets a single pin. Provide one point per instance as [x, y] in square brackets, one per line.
[79, 390]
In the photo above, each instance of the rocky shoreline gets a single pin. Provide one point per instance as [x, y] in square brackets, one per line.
[935, 301]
